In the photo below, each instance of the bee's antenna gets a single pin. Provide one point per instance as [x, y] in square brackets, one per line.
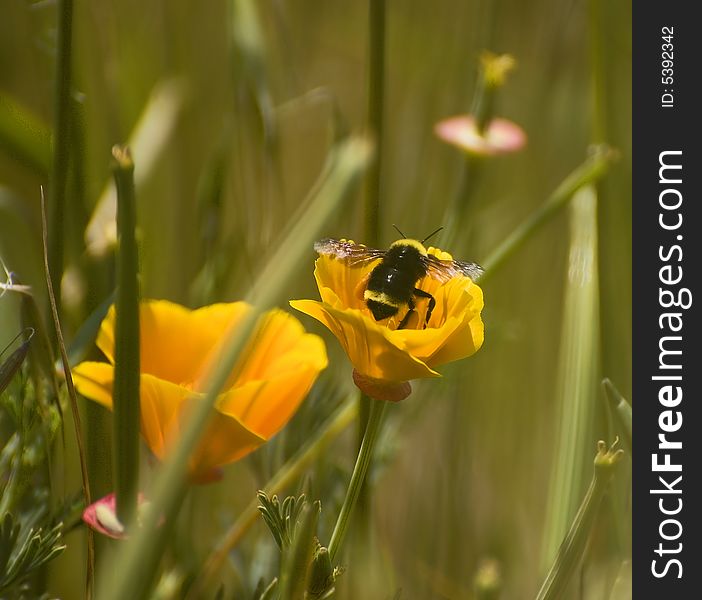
[432, 234]
[398, 231]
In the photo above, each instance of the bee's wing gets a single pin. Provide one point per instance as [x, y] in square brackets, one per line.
[443, 270]
[354, 255]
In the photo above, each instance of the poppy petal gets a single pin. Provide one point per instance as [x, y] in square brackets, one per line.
[370, 347]
[176, 342]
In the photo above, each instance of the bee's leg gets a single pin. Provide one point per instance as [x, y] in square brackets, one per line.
[406, 318]
[432, 303]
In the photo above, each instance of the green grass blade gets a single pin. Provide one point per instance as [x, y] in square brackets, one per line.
[61, 145]
[571, 550]
[577, 373]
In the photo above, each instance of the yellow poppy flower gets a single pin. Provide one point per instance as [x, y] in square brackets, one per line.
[177, 347]
[382, 355]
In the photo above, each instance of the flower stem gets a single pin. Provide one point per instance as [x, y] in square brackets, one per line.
[377, 409]
[61, 145]
[573, 546]
[90, 567]
[376, 96]
[126, 386]
[375, 120]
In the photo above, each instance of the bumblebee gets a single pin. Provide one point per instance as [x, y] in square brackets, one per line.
[392, 284]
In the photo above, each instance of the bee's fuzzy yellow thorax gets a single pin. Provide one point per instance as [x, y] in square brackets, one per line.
[409, 242]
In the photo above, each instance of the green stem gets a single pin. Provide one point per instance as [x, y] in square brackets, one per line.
[61, 145]
[621, 410]
[376, 95]
[598, 66]
[126, 386]
[90, 567]
[594, 168]
[377, 409]
[455, 218]
[376, 102]
[483, 103]
[573, 546]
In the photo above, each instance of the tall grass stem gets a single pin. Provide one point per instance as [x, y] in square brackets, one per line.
[376, 111]
[577, 372]
[73, 398]
[126, 387]
[61, 145]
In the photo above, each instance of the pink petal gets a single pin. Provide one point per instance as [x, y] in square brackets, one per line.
[502, 136]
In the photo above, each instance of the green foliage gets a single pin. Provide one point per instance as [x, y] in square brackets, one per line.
[23, 551]
[282, 519]
[29, 537]
[306, 569]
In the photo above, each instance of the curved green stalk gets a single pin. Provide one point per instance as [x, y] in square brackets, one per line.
[573, 546]
[375, 417]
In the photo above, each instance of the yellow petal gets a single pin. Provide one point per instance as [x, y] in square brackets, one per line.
[458, 304]
[266, 406]
[281, 364]
[94, 380]
[164, 409]
[465, 340]
[225, 440]
[338, 283]
[369, 346]
[279, 345]
[176, 342]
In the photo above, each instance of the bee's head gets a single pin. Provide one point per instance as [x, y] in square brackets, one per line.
[405, 241]
[407, 244]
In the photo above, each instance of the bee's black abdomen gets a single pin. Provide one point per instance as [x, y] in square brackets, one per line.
[396, 284]
[381, 310]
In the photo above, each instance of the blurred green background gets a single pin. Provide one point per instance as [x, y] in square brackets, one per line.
[243, 100]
